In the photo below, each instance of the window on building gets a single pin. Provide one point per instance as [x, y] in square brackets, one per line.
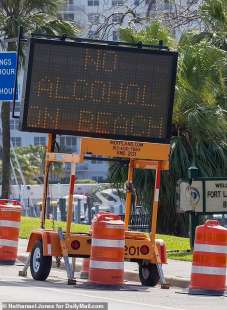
[68, 142]
[93, 18]
[68, 16]
[93, 3]
[190, 2]
[14, 124]
[16, 141]
[137, 2]
[39, 140]
[92, 34]
[152, 5]
[117, 18]
[100, 179]
[167, 4]
[117, 2]
[115, 35]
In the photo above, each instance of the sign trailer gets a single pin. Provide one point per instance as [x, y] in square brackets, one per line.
[121, 98]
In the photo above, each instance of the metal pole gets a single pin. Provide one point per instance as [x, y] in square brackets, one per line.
[77, 211]
[70, 199]
[128, 194]
[155, 202]
[51, 138]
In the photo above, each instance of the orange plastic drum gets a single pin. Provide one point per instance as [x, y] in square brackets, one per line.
[10, 214]
[107, 250]
[209, 259]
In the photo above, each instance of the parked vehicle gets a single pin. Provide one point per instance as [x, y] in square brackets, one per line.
[110, 200]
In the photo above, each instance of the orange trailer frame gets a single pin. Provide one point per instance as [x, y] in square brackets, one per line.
[139, 246]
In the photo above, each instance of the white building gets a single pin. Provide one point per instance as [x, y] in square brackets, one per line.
[90, 169]
[102, 19]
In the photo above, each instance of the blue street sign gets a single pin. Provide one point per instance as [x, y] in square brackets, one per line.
[8, 63]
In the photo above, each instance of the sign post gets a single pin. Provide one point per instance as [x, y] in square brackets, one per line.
[8, 63]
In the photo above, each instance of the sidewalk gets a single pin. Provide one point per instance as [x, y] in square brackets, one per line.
[177, 273]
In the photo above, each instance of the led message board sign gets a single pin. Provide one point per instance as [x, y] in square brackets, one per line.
[98, 90]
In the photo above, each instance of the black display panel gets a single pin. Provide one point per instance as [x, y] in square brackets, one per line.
[98, 90]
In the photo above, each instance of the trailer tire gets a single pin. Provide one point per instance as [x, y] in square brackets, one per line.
[148, 273]
[40, 265]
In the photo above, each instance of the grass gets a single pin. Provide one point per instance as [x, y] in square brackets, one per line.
[29, 223]
[178, 247]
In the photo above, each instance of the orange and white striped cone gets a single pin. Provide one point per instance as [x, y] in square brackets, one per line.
[85, 268]
[107, 250]
[10, 215]
[209, 260]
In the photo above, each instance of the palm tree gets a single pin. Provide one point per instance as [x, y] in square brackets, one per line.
[214, 17]
[34, 16]
[199, 123]
[152, 34]
[31, 161]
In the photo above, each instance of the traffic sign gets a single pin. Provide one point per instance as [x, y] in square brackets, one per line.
[8, 63]
[203, 195]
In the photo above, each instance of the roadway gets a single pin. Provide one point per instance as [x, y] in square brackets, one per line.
[132, 296]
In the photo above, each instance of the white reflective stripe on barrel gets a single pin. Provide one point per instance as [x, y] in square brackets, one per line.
[107, 243]
[106, 265]
[112, 226]
[156, 195]
[10, 209]
[209, 270]
[5, 242]
[5, 223]
[221, 249]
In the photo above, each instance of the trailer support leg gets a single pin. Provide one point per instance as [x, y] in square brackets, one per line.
[69, 270]
[23, 273]
[163, 282]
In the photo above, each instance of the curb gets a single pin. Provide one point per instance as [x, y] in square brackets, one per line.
[128, 275]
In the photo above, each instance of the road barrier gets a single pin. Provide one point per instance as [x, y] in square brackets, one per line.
[107, 250]
[209, 260]
[10, 214]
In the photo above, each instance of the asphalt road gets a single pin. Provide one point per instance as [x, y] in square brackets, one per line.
[132, 296]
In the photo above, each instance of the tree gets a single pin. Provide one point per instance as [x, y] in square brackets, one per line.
[199, 121]
[214, 17]
[31, 161]
[33, 16]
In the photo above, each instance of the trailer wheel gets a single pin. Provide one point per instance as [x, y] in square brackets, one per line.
[40, 265]
[148, 273]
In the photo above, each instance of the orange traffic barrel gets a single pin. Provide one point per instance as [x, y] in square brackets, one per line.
[85, 268]
[10, 214]
[209, 260]
[107, 250]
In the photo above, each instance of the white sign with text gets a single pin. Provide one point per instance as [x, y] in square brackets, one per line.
[216, 196]
[192, 196]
